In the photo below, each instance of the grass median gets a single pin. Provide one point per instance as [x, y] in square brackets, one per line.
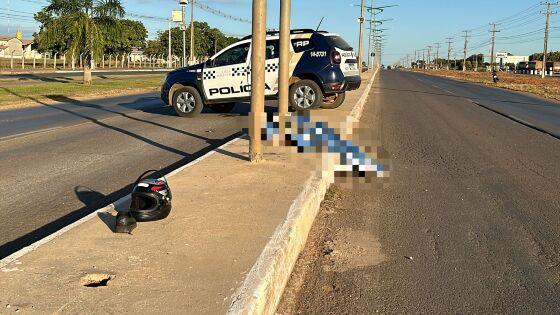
[20, 92]
[547, 88]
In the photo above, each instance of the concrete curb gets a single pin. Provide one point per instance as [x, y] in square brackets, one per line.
[263, 287]
[22, 252]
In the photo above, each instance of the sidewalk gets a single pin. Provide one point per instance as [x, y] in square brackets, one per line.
[225, 211]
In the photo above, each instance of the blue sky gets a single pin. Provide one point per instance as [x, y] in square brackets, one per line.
[416, 24]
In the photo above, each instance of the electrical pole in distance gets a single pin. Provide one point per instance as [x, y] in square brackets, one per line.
[429, 56]
[361, 20]
[438, 45]
[169, 59]
[449, 42]
[548, 12]
[466, 36]
[370, 39]
[493, 59]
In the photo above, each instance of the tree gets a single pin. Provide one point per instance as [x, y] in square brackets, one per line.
[207, 40]
[130, 34]
[510, 66]
[80, 27]
[154, 47]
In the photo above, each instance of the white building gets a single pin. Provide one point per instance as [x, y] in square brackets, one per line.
[503, 58]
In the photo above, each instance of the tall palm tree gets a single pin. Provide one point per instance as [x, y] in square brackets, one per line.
[83, 21]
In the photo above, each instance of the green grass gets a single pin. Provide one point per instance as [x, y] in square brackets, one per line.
[33, 91]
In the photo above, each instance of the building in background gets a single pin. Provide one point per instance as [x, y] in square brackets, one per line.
[505, 58]
[17, 46]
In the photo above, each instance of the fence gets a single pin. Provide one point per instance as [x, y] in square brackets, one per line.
[110, 61]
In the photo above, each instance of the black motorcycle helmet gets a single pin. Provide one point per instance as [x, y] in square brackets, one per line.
[151, 199]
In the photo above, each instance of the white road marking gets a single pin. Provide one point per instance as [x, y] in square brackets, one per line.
[29, 133]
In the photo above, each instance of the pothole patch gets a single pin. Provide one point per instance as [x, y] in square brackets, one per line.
[351, 249]
[95, 280]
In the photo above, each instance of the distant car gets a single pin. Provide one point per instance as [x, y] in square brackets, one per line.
[322, 69]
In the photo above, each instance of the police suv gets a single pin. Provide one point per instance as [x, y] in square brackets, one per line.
[322, 68]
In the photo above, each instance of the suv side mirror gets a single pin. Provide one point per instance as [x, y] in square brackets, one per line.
[209, 63]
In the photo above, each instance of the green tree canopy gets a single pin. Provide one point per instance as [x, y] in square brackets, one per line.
[551, 56]
[206, 40]
[79, 27]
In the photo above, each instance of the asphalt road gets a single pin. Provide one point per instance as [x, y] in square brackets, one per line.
[470, 222]
[63, 161]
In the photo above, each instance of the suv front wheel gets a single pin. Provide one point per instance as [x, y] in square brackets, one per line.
[305, 95]
[187, 102]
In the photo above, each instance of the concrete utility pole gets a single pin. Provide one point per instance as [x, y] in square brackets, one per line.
[361, 20]
[429, 56]
[466, 36]
[257, 80]
[192, 30]
[284, 71]
[370, 39]
[476, 62]
[546, 32]
[493, 59]
[169, 59]
[438, 45]
[449, 42]
[184, 4]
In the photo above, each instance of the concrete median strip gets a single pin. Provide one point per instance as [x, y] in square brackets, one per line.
[224, 248]
[263, 287]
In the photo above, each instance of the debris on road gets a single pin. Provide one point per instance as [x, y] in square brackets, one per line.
[96, 280]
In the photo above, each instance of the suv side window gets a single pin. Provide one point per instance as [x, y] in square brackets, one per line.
[272, 49]
[302, 44]
[234, 55]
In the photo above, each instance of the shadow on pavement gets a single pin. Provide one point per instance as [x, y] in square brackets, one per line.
[87, 196]
[94, 200]
[240, 109]
[109, 220]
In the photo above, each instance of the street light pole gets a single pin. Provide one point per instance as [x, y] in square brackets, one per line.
[257, 80]
[192, 30]
[169, 59]
[284, 71]
[361, 41]
[184, 27]
[371, 23]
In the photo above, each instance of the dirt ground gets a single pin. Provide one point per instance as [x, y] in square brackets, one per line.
[548, 88]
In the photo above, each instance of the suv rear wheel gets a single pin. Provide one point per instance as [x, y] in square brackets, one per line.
[334, 101]
[305, 95]
[187, 102]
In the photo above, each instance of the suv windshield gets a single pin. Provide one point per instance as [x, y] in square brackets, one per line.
[338, 42]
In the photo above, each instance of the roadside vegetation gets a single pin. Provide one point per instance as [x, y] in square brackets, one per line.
[24, 92]
[548, 88]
